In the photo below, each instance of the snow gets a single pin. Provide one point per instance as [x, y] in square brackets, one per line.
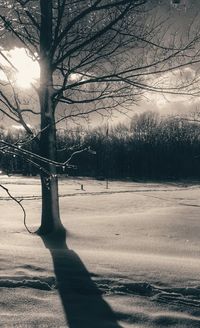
[131, 257]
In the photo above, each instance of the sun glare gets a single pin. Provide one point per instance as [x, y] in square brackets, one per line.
[27, 70]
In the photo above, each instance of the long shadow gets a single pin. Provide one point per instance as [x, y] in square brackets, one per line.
[82, 301]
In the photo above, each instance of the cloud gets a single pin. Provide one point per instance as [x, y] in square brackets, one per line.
[19, 127]
[178, 101]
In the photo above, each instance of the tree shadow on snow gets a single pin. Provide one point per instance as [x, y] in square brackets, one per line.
[82, 301]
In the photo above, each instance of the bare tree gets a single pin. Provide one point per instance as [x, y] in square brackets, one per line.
[95, 56]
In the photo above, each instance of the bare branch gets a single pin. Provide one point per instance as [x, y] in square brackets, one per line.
[19, 202]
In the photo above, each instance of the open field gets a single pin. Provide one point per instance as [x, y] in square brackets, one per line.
[131, 257]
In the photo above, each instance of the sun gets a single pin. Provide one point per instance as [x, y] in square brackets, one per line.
[26, 72]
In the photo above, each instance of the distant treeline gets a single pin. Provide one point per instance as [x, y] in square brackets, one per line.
[148, 147]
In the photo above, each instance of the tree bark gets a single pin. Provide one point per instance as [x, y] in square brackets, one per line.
[50, 221]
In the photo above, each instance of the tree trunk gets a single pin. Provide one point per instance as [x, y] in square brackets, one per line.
[50, 201]
[49, 182]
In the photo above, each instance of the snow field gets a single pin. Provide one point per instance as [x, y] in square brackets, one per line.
[131, 257]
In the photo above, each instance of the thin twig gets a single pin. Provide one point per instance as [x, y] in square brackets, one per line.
[19, 203]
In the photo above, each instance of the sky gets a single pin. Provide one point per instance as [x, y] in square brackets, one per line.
[183, 14]
[26, 70]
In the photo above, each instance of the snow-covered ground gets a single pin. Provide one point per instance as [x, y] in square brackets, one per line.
[131, 257]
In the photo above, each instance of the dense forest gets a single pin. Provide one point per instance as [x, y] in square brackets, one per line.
[149, 146]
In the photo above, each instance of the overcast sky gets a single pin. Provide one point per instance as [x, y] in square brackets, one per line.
[182, 15]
